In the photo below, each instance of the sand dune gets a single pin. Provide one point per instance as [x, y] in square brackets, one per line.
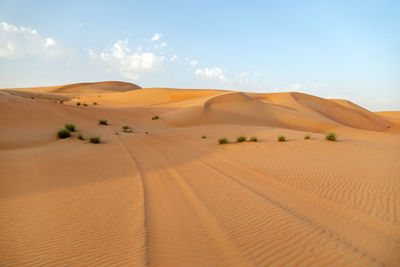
[164, 196]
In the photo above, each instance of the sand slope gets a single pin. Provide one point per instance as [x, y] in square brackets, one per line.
[172, 198]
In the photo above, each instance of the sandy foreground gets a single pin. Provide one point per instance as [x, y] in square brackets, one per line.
[164, 196]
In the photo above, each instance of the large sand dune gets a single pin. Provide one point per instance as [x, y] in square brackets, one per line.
[164, 196]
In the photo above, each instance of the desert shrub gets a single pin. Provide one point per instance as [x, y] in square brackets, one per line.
[223, 140]
[80, 137]
[253, 139]
[62, 102]
[95, 140]
[331, 136]
[155, 117]
[70, 127]
[307, 136]
[241, 139]
[146, 132]
[63, 133]
[103, 122]
[94, 103]
[281, 138]
[203, 136]
[78, 103]
[32, 97]
[126, 129]
[85, 104]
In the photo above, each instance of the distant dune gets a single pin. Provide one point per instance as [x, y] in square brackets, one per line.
[166, 193]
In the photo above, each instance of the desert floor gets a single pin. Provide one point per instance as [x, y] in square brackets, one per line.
[162, 195]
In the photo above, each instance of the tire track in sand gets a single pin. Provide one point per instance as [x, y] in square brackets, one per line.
[181, 231]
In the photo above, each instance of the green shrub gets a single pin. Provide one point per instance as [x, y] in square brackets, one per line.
[70, 127]
[103, 122]
[80, 137]
[331, 136]
[146, 132]
[203, 136]
[95, 140]
[78, 103]
[62, 102]
[85, 104]
[281, 138]
[223, 140]
[63, 133]
[94, 103]
[253, 139]
[155, 117]
[241, 139]
[307, 136]
[126, 129]
[32, 97]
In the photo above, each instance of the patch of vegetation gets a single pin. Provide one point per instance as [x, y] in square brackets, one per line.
[78, 103]
[203, 136]
[95, 140]
[103, 122]
[94, 103]
[63, 133]
[85, 104]
[146, 132]
[70, 127]
[281, 138]
[331, 136]
[307, 136]
[126, 129]
[253, 139]
[80, 137]
[223, 140]
[32, 97]
[62, 102]
[155, 117]
[241, 139]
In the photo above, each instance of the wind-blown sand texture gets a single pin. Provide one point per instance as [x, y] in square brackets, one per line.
[172, 198]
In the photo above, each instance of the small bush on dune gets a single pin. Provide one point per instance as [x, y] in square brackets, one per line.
[307, 136]
[70, 127]
[126, 129]
[84, 104]
[281, 138]
[203, 136]
[156, 117]
[223, 141]
[78, 103]
[95, 140]
[32, 97]
[103, 122]
[241, 139]
[62, 102]
[331, 136]
[253, 139]
[80, 137]
[95, 103]
[63, 133]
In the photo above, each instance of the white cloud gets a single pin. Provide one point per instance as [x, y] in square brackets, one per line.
[162, 45]
[130, 64]
[174, 57]
[213, 73]
[156, 37]
[19, 41]
[193, 62]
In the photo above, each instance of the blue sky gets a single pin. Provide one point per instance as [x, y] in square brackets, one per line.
[334, 49]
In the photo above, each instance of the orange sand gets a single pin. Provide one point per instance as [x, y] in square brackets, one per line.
[172, 198]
